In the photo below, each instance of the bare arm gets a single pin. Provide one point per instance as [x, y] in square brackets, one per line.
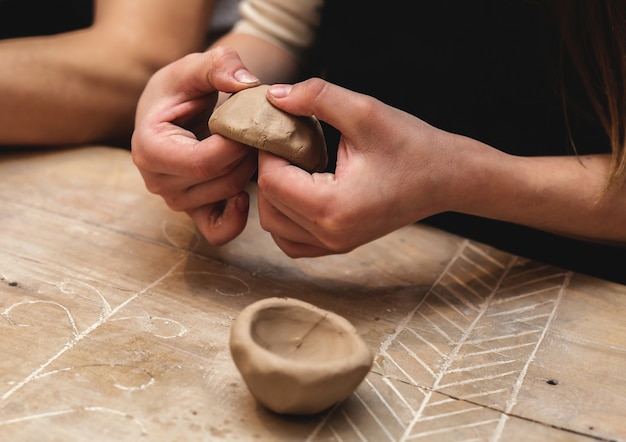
[562, 195]
[270, 63]
[273, 35]
[395, 169]
[83, 86]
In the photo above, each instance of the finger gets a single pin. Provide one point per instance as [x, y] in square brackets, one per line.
[223, 221]
[327, 101]
[275, 222]
[220, 68]
[218, 189]
[294, 192]
[297, 250]
[178, 95]
[174, 153]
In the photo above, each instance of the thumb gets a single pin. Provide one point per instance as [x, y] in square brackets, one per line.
[342, 108]
[220, 69]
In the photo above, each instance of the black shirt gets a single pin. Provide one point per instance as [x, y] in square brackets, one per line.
[487, 69]
[24, 18]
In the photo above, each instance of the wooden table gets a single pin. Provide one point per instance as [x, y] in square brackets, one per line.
[115, 317]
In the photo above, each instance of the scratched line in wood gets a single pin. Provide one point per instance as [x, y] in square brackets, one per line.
[463, 352]
[107, 314]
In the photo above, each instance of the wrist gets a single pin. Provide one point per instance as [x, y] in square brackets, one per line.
[479, 177]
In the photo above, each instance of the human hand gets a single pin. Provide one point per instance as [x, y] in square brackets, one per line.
[201, 175]
[391, 171]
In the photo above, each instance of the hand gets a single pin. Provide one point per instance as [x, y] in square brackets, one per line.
[389, 173]
[193, 172]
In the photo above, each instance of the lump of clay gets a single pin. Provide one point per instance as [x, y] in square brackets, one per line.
[249, 118]
[297, 358]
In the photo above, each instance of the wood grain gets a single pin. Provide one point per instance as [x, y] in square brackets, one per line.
[115, 315]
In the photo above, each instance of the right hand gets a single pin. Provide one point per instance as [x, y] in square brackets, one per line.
[201, 175]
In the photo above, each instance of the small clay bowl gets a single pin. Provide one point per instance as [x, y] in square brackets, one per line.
[297, 358]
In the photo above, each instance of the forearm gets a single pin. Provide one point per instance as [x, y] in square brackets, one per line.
[65, 89]
[269, 62]
[83, 86]
[562, 195]
[273, 36]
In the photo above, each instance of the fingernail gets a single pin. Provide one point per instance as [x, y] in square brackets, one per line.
[241, 203]
[280, 90]
[216, 220]
[245, 76]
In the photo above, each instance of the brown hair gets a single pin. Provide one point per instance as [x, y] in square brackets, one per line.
[594, 34]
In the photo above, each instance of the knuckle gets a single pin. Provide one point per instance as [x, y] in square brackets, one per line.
[264, 224]
[175, 203]
[153, 187]
[366, 107]
[220, 52]
[231, 188]
[335, 228]
[138, 157]
[316, 85]
[315, 88]
[291, 253]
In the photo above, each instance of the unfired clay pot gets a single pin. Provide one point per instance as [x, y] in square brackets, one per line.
[297, 358]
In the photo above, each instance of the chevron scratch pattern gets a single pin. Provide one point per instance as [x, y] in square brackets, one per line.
[463, 352]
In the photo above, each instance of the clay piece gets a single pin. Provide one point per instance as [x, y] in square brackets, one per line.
[249, 118]
[297, 358]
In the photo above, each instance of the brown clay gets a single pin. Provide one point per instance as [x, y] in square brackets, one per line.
[297, 358]
[249, 118]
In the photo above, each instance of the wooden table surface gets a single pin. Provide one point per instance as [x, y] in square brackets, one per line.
[115, 317]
